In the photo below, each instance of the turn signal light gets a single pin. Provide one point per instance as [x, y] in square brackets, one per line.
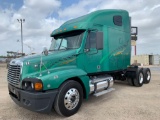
[38, 86]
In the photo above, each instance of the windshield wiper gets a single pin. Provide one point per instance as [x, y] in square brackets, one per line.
[67, 48]
[51, 50]
[64, 47]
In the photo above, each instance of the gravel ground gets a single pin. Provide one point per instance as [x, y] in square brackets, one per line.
[125, 103]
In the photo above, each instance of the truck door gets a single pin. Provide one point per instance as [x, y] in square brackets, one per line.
[93, 52]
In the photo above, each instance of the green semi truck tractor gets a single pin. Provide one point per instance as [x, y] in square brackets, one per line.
[86, 56]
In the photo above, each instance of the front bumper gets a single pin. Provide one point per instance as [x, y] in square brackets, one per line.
[34, 101]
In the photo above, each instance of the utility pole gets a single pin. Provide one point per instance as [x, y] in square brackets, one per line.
[21, 21]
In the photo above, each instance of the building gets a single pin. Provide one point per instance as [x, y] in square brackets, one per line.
[146, 59]
[2, 60]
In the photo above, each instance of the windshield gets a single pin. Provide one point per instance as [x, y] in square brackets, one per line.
[70, 40]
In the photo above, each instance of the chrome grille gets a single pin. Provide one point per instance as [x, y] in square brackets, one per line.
[13, 76]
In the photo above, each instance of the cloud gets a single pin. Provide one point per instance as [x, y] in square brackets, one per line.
[35, 8]
[40, 21]
[37, 27]
[144, 13]
[77, 9]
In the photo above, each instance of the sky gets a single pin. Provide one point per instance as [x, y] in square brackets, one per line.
[41, 18]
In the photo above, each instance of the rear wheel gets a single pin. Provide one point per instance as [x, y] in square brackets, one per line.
[139, 79]
[130, 81]
[147, 75]
[69, 99]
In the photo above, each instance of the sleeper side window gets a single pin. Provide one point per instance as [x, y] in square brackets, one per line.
[117, 20]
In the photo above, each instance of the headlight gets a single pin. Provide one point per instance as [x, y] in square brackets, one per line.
[32, 84]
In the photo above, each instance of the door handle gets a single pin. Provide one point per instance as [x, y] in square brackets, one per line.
[86, 50]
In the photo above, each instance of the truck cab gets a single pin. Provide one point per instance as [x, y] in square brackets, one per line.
[85, 57]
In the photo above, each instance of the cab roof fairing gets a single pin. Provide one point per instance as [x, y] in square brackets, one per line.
[83, 22]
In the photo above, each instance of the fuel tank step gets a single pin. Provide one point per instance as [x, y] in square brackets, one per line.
[103, 92]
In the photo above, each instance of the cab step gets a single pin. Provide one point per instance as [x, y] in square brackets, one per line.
[103, 92]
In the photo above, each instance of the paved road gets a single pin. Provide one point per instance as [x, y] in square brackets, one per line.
[125, 103]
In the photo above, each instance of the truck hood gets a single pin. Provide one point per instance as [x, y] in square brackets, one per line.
[35, 64]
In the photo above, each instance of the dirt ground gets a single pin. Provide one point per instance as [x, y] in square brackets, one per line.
[125, 103]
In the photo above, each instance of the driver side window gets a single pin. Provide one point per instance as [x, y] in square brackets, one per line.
[91, 40]
[63, 44]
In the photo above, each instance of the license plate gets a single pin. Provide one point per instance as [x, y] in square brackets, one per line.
[14, 92]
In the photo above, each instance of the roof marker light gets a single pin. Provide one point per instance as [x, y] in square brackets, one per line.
[75, 27]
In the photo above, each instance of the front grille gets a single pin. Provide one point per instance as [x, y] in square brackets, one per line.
[13, 76]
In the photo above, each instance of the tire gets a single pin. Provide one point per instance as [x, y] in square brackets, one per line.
[69, 99]
[130, 81]
[139, 79]
[147, 75]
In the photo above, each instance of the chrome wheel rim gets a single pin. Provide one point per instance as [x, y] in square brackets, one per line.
[71, 98]
[148, 75]
[140, 78]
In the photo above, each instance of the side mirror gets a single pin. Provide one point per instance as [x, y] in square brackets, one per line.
[134, 30]
[45, 51]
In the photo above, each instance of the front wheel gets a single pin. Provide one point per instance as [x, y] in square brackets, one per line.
[69, 98]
